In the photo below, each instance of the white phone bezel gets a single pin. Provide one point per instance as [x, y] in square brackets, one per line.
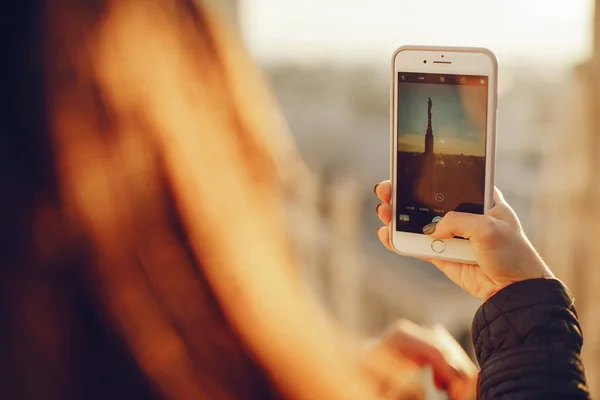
[459, 60]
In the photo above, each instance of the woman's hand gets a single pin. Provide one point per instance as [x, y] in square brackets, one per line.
[503, 253]
[453, 371]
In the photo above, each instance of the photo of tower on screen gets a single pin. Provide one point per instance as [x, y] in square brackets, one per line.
[441, 152]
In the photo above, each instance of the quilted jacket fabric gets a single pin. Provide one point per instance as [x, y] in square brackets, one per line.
[528, 343]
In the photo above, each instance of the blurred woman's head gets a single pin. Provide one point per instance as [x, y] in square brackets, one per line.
[143, 239]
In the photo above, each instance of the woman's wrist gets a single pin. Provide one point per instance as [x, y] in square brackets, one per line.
[541, 274]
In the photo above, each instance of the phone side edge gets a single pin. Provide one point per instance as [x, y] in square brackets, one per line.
[392, 175]
[492, 135]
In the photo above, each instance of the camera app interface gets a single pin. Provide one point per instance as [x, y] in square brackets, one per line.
[441, 134]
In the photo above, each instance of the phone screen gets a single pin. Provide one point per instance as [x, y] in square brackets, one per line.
[441, 134]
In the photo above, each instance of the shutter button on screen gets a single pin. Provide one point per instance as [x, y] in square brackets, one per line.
[438, 246]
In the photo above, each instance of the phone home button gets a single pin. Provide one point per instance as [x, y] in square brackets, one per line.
[438, 246]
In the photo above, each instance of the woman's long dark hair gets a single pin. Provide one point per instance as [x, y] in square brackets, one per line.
[143, 248]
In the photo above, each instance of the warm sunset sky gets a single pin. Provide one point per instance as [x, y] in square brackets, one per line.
[369, 30]
[454, 131]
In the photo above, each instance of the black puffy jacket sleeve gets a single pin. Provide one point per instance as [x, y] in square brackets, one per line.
[528, 343]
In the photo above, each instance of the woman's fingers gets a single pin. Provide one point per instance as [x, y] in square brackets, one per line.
[421, 346]
[383, 190]
[503, 211]
[498, 196]
[455, 354]
[384, 235]
[384, 212]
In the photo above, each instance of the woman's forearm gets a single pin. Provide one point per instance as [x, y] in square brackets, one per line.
[528, 342]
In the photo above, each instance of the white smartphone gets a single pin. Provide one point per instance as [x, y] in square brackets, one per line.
[443, 142]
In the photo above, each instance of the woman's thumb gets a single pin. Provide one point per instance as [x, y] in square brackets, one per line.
[466, 225]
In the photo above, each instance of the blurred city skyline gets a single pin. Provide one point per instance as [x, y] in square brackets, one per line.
[339, 31]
